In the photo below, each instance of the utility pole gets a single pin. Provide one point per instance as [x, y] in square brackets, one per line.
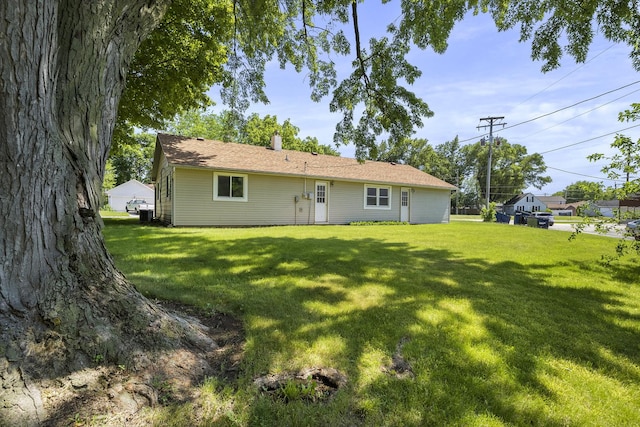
[491, 121]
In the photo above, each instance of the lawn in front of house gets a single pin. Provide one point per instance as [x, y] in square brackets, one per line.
[500, 324]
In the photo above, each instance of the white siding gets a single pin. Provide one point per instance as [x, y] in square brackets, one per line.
[346, 204]
[120, 195]
[430, 206]
[272, 201]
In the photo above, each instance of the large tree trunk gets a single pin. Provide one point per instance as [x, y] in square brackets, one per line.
[63, 304]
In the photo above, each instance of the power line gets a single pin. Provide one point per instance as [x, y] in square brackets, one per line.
[587, 140]
[581, 114]
[559, 110]
[572, 105]
[586, 176]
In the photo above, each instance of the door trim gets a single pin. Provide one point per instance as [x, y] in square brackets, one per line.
[321, 202]
[405, 209]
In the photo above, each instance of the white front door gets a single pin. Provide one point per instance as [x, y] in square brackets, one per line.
[321, 201]
[404, 205]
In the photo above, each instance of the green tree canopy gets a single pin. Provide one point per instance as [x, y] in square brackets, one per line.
[254, 130]
[512, 170]
[134, 159]
[201, 43]
[583, 190]
[625, 163]
[445, 161]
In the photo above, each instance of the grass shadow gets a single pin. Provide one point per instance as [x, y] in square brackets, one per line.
[487, 340]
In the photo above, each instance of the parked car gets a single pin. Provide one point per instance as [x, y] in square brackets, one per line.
[544, 215]
[633, 228]
[134, 205]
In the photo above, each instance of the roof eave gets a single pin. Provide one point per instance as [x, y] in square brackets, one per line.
[311, 176]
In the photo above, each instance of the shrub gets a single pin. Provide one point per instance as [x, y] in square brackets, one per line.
[489, 214]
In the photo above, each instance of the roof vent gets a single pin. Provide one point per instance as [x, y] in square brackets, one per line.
[200, 138]
[393, 163]
[276, 142]
[314, 153]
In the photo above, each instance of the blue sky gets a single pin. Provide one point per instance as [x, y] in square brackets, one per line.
[485, 73]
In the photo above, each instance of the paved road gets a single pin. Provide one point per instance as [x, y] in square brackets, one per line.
[617, 231]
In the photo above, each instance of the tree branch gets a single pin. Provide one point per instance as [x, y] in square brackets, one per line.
[356, 31]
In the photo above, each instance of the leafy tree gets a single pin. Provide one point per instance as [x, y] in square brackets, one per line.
[197, 124]
[455, 165]
[108, 183]
[254, 130]
[512, 169]
[109, 180]
[414, 152]
[258, 131]
[63, 67]
[133, 160]
[446, 161]
[583, 190]
[625, 164]
[469, 194]
[453, 168]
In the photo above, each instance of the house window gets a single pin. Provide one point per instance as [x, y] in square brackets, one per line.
[168, 186]
[231, 187]
[321, 193]
[405, 199]
[377, 197]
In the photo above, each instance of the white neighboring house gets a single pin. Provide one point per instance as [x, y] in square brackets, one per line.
[133, 189]
[524, 202]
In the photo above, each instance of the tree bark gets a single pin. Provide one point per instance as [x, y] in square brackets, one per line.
[63, 303]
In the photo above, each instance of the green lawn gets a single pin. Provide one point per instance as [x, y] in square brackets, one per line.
[502, 325]
[110, 214]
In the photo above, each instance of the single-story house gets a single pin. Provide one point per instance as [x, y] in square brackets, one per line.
[606, 208]
[212, 183]
[631, 206]
[524, 202]
[558, 205]
[553, 203]
[133, 189]
[569, 209]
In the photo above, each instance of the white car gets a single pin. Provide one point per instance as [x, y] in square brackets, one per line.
[544, 215]
[134, 205]
[633, 228]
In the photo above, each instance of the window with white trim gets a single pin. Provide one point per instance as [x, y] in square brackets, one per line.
[230, 187]
[377, 197]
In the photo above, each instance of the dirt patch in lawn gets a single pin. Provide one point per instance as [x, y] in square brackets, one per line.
[114, 396]
[309, 385]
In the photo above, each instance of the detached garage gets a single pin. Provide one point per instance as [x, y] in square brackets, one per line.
[120, 195]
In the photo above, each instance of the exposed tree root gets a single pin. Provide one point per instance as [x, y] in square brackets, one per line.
[109, 393]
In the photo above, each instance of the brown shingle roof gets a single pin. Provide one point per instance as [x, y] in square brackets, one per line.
[192, 152]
